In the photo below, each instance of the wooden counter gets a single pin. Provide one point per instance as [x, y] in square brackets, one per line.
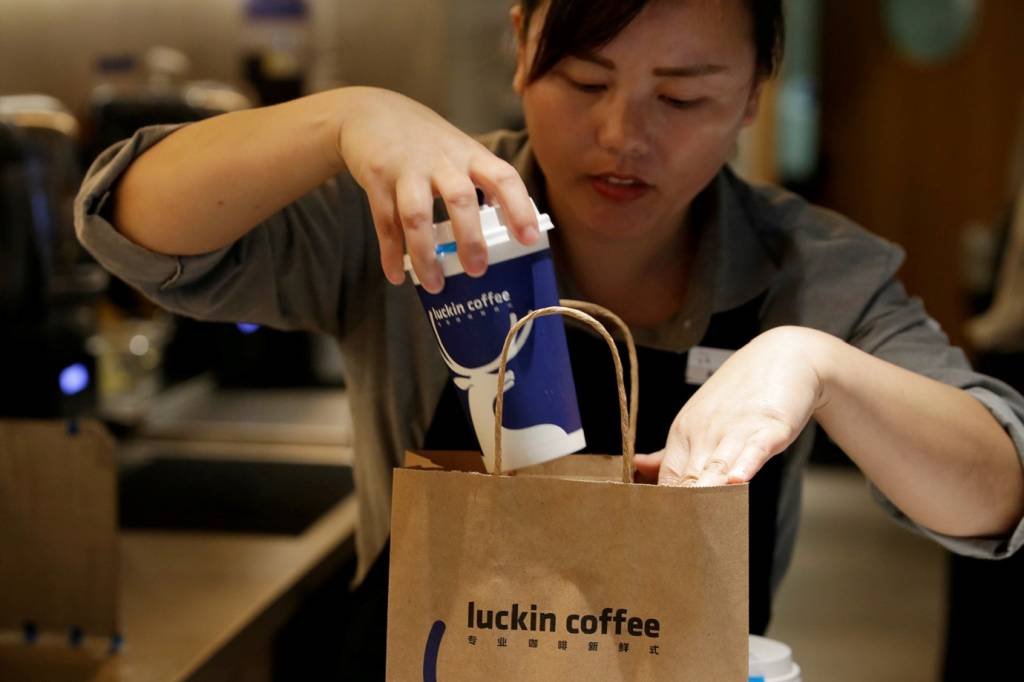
[197, 606]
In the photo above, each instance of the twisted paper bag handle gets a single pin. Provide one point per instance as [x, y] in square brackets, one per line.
[584, 312]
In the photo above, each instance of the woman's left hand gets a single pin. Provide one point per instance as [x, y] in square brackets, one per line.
[750, 410]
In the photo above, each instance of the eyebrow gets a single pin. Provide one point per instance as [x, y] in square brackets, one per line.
[690, 71]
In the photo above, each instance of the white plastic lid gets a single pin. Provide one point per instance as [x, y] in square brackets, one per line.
[771, 660]
[492, 223]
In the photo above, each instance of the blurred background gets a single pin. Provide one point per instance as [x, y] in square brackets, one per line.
[906, 115]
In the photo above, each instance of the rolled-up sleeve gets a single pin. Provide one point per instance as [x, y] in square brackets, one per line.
[896, 328]
[147, 270]
[306, 267]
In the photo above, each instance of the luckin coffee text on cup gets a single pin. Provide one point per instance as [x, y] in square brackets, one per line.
[488, 299]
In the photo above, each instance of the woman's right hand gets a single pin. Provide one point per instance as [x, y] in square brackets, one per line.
[403, 155]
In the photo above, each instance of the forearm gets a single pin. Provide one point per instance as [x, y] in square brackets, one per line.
[932, 449]
[207, 184]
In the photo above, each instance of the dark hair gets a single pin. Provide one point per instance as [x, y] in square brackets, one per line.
[575, 27]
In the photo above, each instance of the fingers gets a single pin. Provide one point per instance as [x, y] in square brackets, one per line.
[647, 467]
[713, 469]
[414, 203]
[714, 464]
[738, 457]
[408, 216]
[734, 459]
[502, 182]
[389, 235]
[748, 463]
[402, 153]
[762, 446]
[676, 458]
[459, 195]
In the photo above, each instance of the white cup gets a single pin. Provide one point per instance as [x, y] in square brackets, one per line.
[771, 661]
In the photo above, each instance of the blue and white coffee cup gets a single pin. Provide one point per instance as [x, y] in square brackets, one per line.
[471, 317]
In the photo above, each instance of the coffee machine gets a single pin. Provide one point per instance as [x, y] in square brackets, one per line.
[48, 285]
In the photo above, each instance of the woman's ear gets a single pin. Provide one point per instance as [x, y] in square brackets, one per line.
[754, 100]
[522, 69]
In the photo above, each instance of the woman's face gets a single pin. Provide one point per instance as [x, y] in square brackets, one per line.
[629, 135]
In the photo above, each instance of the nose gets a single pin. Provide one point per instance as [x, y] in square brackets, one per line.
[622, 128]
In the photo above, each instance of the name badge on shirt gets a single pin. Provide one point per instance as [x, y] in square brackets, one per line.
[702, 362]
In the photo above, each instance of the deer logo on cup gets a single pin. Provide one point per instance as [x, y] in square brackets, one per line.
[481, 383]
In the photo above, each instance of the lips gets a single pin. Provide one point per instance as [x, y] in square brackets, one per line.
[619, 188]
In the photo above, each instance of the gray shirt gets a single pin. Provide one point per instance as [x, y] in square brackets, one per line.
[315, 266]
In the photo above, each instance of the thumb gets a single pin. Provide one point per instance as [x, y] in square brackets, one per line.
[647, 466]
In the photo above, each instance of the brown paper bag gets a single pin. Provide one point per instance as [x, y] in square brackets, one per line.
[566, 571]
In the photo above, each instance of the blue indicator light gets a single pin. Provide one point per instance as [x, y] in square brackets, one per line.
[247, 327]
[74, 379]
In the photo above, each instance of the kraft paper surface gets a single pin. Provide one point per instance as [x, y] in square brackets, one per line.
[561, 576]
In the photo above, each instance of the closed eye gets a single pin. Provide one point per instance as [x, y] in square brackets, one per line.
[682, 103]
[584, 86]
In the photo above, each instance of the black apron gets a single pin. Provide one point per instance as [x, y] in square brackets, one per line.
[663, 392]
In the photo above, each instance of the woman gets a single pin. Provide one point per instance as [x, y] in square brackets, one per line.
[632, 111]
